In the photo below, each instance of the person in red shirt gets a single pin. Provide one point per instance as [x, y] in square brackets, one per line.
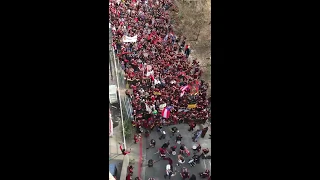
[128, 177]
[162, 152]
[124, 152]
[205, 152]
[192, 125]
[134, 88]
[153, 98]
[130, 169]
[145, 124]
[169, 161]
[136, 138]
[185, 175]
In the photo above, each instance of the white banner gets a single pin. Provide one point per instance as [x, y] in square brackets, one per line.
[129, 39]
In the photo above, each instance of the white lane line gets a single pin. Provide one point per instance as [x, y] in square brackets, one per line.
[210, 164]
[205, 166]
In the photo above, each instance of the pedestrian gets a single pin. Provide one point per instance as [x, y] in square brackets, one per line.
[205, 152]
[196, 148]
[168, 174]
[152, 143]
[159, 129]
[150, 163]
[193, 177]
[185, 175]
[173, 131]
[182, 45]
[136, 138]
[178, 138]
[123, 150]
[191, 126]
[169, 171]
[196, 159]
[166, 144]
[152, 126]
[187, 151]
[169, 161]
[196, 135]
[180, 160]
[163, 135]
[187, 51]
[162, 152]
[205, 174]
[147, 133]
[130, 169]
[139, 128]
[182, 148]
[173, 150]
[204, 131]
[128, 93]
[128, 177]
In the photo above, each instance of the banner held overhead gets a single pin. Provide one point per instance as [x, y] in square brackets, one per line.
[130, 39]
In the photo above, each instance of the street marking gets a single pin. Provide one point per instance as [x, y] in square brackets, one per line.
[210, 164]
[204, 162]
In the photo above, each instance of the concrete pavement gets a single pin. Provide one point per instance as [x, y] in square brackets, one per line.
[114, 150]
[137, 156]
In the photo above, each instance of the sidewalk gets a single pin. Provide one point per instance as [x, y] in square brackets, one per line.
[114, 150]
[134, 156]
[137, 156]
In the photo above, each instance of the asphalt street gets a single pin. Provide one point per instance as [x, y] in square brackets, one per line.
[158, 169]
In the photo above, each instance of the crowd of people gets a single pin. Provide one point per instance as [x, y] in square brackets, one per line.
[165, 81]
[156, 66]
